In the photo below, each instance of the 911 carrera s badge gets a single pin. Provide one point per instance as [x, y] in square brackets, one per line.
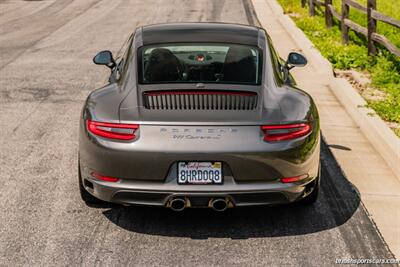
[198, 133]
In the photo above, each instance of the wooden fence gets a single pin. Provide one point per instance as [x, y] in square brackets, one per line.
[372, 17]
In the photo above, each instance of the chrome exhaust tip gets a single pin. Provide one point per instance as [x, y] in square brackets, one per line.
[177, 204]
[219, 204]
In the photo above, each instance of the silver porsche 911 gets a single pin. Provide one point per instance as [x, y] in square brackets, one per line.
[199, 115]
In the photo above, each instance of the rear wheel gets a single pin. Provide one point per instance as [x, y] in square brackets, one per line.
[313, 196]
[85, 195]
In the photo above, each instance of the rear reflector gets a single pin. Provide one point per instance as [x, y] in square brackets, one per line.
[274, 133]
[104, 178]
[293, 179]
[113, 130]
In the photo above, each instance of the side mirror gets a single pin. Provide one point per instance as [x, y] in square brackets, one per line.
[295, 60]
[104, 58]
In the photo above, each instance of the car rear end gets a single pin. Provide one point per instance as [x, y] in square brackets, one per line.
[236, 163]
[193, 142]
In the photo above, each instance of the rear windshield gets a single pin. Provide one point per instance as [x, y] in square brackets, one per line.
[200, 63]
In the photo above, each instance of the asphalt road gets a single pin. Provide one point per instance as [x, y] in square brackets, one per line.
[46, 48]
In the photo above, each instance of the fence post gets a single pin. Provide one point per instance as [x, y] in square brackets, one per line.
[328, 14]
[311, 8]
[345, 28]
[371, 27]
[303, 3]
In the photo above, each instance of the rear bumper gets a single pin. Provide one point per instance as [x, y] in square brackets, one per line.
[159, 194]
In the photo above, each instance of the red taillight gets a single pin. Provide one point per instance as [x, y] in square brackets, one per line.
[273, 133]
[113, 130]
[293, 179]
[104, 178]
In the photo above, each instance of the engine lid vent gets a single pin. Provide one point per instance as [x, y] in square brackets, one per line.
[200, 100]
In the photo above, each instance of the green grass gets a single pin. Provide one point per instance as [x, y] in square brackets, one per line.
[384, 69]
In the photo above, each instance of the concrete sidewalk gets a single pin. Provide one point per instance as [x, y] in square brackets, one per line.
[364, 167]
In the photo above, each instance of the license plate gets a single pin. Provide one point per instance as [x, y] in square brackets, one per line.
[199, 173]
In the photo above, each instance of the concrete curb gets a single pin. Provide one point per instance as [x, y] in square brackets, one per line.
[373, 127]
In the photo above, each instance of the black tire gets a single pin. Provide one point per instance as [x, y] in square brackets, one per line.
[85, 195]
[313, 196]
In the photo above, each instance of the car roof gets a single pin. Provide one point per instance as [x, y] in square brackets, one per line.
[200, 32]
